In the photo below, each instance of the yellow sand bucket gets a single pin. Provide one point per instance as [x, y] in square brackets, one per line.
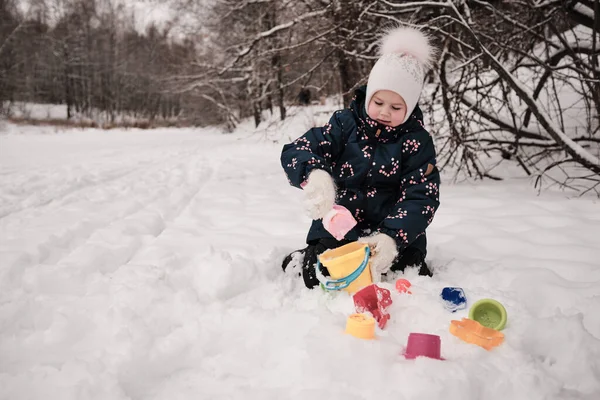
[348, 267]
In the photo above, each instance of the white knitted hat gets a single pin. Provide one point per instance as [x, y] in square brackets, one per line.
[405, 57]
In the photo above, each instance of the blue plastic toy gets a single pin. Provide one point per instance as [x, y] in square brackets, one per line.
[454, 298]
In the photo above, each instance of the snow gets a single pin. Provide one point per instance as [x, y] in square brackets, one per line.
[36, 110]
[57, 113]
[146, 265]
[584, 10]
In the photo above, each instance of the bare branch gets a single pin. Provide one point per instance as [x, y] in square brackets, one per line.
[579, 154]
[268, 33]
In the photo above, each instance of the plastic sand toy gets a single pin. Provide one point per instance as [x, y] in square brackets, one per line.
[339, 221]
[361, 326]
[454, 298]
[489, 313]
[473, 332]
[348, 267]
[375, 300]
[402, 286]
[423, 345]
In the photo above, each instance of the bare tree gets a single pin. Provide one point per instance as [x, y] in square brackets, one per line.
[90, 58]
[510, 77]
[514, 81]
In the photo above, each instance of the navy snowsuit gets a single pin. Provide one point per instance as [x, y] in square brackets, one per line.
[385, 176]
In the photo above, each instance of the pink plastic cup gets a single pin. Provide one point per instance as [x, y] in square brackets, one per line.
[339, 221]
[423, 345]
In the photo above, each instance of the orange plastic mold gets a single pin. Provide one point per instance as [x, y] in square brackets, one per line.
[473, 332]
[361, 326]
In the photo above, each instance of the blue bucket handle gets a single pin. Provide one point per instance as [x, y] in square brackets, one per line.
[342, 283]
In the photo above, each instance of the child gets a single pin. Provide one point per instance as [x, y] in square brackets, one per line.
[376, 159]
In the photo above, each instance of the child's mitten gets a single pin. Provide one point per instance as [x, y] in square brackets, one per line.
[383, 253]
[319, 192]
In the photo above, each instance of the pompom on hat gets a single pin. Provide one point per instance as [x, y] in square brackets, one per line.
[405, 56]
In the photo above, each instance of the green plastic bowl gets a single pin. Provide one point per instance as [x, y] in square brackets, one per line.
[489, 313]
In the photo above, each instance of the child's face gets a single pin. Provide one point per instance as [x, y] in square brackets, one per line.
[387, 107]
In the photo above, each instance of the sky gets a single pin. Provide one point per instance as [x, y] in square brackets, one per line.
[146, 265]
[146, 12]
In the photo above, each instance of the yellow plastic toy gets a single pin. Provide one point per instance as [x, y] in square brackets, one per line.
[348, 266]
[361, 326]
[473, 332]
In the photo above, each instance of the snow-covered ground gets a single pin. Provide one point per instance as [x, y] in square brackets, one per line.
[53, 113]
[146, 265]
[36, 111]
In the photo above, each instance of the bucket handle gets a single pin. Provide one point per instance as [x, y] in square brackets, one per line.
[342, 283]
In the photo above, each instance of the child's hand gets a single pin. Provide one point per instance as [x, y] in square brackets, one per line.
[319, 194]
[383, 253]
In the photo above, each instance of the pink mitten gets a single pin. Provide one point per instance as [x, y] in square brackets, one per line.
[338, 221]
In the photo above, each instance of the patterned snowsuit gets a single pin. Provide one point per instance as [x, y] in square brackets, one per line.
[385, 176]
